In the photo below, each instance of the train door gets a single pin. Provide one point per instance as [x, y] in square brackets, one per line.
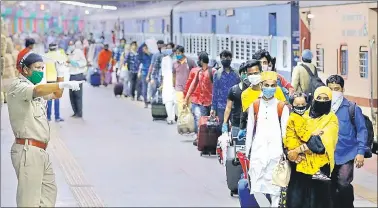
[213, 24]
[273, 24]
[180, 24]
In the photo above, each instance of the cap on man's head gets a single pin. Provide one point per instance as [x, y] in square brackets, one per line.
[29, 42]
[29, 59]
[307, 54]
[268, 75]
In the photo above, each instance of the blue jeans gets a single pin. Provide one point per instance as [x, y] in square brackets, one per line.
[198, 111]
[56, 109]
[154, 87]
[220, 113]
[144, 88]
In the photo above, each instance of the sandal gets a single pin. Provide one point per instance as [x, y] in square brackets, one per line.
[320, 176]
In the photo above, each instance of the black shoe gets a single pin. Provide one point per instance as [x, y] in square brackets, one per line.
[195, 142]
[74, 115]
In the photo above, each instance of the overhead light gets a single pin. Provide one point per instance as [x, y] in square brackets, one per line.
[22, 4]
[109, 7]
[75, 3]
[86, 12]
[42, 7]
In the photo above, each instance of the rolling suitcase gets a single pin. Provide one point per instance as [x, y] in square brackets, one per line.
[95, 79]
[118, 89]
[158, 110]
[208, 134]
[246, 199]
[233, 166]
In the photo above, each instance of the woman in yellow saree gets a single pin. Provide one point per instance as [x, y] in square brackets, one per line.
[311, 142]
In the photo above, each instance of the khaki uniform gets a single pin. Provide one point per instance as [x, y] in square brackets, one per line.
[36, 178]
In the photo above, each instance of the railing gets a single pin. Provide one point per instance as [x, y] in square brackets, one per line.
[241, 46]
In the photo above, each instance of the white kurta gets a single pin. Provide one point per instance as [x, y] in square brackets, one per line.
[168, 89]
[266, 145]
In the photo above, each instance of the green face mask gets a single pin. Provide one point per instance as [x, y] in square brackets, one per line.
[36, 77]
[243, 76]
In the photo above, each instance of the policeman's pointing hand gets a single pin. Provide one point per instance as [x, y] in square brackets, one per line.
[72, 85]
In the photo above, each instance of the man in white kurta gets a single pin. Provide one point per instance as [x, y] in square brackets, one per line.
[264, 142]
[168, 89]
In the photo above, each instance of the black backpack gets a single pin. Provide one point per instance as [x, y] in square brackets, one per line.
[315, 81]
[369, 127]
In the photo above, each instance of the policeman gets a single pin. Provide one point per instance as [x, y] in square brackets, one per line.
[27, 115]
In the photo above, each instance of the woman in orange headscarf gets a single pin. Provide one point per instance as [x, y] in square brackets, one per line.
[104, 58]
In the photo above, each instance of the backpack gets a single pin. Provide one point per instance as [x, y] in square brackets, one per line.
[315, 81]
[209, 70]
[369, 127]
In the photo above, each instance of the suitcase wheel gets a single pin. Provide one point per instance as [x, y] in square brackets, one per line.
[231, 194]
[153, 119]
[201, 154]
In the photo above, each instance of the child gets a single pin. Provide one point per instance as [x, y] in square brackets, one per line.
[296, 128]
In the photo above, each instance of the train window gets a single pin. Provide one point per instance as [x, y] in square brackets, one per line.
[364, 62]
[284, 53]
[344, 60]
[319, 58]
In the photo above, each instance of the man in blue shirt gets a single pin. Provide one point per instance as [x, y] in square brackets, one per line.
[117, 52]
[145, 59]
[224, 79]
[156, 58]
[350, 148]
[132, 64]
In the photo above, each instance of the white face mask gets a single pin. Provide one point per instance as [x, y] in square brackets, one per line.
[254, 79]
[266, 68]
[336, 96]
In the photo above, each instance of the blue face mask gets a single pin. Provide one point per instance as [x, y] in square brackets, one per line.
[268, 92]
[168, 52]
[179, 57]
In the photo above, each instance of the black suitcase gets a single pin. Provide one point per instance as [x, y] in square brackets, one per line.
[118, 89]
[233, 167]
[158, 110]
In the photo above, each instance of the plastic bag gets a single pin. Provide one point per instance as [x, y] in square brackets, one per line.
[185, 122]
[223, 144]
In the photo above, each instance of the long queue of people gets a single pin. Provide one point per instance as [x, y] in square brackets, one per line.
[301, 139]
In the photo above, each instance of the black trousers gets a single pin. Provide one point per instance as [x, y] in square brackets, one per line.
[133, 77]
[342, 177]
[76, 97]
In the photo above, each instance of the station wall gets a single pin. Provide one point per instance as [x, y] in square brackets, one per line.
[246, 21]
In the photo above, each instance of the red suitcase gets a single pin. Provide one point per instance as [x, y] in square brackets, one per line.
[208, 134]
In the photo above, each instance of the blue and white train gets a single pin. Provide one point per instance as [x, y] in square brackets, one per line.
[242, 27]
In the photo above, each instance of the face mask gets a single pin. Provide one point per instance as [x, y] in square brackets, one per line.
[102, 40]
[322, 107]
[254, 79]
[36, 77]
[268, 92]
[179, 57]
[336, 95]
[299, 110]
[266, 68]
[246, 82]
[70, 49]
[226, 63]
[168, 52]
[163, 51]
[243, 77]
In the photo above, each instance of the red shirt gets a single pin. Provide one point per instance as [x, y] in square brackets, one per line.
[195, 95]
[204, 86]
[20, 55]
